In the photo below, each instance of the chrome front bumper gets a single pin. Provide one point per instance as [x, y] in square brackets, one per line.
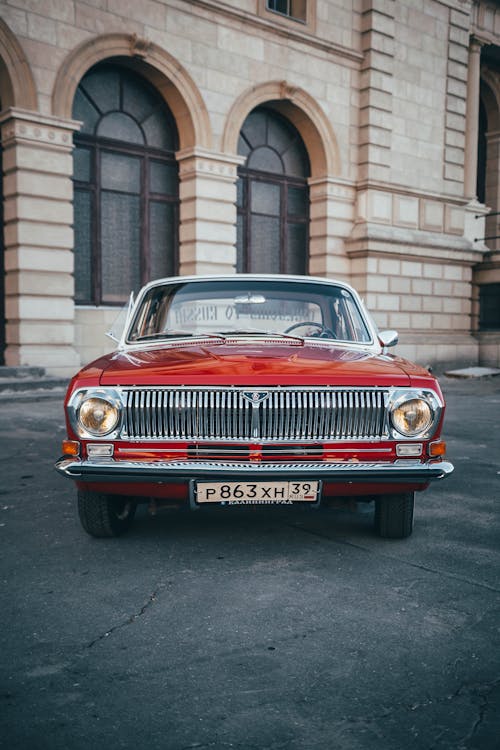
[108, 470]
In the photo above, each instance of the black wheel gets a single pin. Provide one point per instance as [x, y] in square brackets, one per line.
[105, 515]
[394, 515]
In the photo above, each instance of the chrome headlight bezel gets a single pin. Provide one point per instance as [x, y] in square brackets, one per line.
[82, 396]
[429, 398]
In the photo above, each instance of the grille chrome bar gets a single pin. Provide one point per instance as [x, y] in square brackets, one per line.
[287, 414]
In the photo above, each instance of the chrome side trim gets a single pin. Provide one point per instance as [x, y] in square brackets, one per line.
[104, 470]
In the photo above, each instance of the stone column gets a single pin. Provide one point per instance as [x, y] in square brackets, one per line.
[472, 119]
[208, 211]
[38, 217]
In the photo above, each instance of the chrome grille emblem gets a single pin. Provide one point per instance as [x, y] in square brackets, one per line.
[255, 397]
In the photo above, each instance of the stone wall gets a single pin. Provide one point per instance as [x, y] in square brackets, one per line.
[378, 89]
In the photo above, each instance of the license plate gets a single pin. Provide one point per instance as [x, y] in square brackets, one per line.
[257, 493]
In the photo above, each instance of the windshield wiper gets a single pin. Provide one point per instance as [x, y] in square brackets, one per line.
[172, 333]
[221, 335]
[259, 332]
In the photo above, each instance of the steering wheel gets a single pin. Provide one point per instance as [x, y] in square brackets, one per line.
[323, 331]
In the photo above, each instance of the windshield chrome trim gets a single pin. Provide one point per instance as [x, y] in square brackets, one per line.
[372, 345]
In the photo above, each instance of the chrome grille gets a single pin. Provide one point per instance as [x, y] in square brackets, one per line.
[284, 414]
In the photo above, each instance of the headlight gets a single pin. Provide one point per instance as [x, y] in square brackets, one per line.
[98, 416]
[412, 416]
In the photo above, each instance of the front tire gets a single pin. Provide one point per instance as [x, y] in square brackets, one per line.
[105, 515]
[394, 515]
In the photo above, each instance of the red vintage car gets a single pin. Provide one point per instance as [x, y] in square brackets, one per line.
[251, 390]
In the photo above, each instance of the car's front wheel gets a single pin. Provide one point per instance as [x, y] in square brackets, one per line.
[394, 515]
[105, 515]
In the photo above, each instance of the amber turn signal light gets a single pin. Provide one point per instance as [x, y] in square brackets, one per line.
[70, 448]
[438, 448]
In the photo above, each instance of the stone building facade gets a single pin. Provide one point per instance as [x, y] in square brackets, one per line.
[352, 139]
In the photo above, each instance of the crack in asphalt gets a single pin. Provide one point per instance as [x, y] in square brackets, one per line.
[464, 691]
[418, 566]
[130, 620]
[482, 691]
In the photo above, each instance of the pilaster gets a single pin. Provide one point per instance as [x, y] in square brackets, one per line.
[376, 89]
[208, 211]
[457, 101]
[38, 234]
[332, 204]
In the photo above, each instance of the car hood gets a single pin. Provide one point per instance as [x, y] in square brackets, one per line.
[253, 363]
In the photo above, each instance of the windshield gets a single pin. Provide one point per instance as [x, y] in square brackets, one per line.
[248, 306]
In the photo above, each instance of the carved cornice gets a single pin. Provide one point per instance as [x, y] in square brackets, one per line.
[331, 187]
[197, 161]
[44, 130]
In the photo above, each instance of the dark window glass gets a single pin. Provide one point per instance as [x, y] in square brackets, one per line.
[120, 233]
[240, 242]
[126, 186]
[156, 133]
[163, 178]
[272, 183]
[265, 159]
[265, 235]
[138, 101]
[102, 87]
[254, 130]
[297, 201]
[280, 6]
[85, 111]
[82, 164]
[489, 307]
[296, 237]
[295, 9]
[82, 206]
[161, 225]
[120, 172]
[239, 193]
[265, 198]
[121, 127]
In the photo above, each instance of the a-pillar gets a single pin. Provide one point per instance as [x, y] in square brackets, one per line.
[208, 212]
[38, 239]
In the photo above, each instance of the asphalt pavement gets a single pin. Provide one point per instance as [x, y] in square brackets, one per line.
[263, 630]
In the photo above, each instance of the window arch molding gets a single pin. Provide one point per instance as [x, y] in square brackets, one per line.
[302, 111]
[17, 86]
[162, 70]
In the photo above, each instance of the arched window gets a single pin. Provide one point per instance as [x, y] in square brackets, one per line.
[126, 186]
[273, 196]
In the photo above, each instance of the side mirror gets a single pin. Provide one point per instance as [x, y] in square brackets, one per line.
[388, 338]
